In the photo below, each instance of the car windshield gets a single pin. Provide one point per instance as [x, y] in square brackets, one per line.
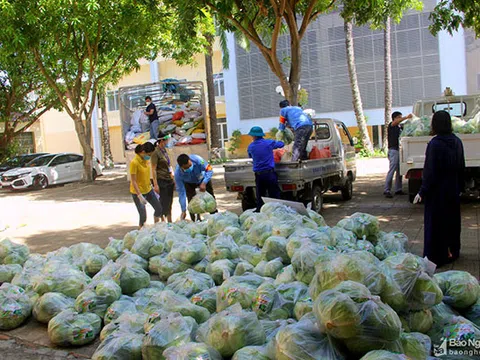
[41, 161]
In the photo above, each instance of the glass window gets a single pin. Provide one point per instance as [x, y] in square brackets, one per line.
[219, 84]
[222, 131]
[75, 158]
[112, 99]
[40, 161]
[59, 160]
[455, 109]
[322, 131]
[26, 142]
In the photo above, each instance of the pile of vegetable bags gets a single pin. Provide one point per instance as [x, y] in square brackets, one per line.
[268, 285]
[422, 126]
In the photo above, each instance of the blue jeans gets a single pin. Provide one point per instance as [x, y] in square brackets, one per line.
[394, 169]
[154, 129]
[266, 183]
[142, 210]
[302, 135]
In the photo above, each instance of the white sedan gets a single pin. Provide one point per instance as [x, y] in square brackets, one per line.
[48, 170]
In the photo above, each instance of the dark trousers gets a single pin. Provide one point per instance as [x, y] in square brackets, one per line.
[142, 210]
[191, 190]
[302, 135]
[166, 195]
[266, 183]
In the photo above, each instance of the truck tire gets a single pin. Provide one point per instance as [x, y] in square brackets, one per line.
[317, 198]
[248, 200]
[413, 188]
[347, 190]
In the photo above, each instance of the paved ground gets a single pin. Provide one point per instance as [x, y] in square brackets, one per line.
[43, 220]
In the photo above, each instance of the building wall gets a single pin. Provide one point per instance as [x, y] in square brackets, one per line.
[472, 47]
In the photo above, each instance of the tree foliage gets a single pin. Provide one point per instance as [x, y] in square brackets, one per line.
[79, 45]
[450, 15]
[261, 23]
[24, 97]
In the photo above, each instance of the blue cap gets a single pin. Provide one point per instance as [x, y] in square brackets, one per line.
[256, 131]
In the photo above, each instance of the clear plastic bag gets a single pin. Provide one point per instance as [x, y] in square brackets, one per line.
[460, 289]
[127, 323]
[383, 355]
[15, 306]
[173, 330]
[8, 272]
[231, 330]
[242, 268]
[304, 341]
[189, 252]
[51, 304]
[416, 345]
[220, 221]
[276, 247]
[202, 202]
[286, 275]
[72, 328]
[304, 259]
[238, 290]
[251, 353]
[197, 351]
[123, 305]
[315, 216]
[189, 282]
[58, 277]
[206, 299]
[147, 245]
[114, 249]
[362, 225]
[97, 299]
[121, 346]
[131, 279]
[251, 254]
[220, 270]
[130, 259]
[417, 321]
[13, 253]
[164, 267]
[286, 136]
[223, 247]
[259, 232]
[473, 313]
[269, 268]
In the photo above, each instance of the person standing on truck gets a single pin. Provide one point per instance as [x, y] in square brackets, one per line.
[163, 176]
[261, 151]
[151, 112]
[442, 183]
[140, 186]
[295, 117]
[192, 172]
[394, 130]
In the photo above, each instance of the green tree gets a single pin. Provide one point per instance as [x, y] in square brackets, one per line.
[262, 23]
[24, 97]
[450, 15]
[79, 45]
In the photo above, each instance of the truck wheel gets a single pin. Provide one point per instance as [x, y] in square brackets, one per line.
[413, 188]
[317, 198]
[248, 200]
[347, 190]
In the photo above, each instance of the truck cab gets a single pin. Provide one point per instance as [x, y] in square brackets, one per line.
[307, 180]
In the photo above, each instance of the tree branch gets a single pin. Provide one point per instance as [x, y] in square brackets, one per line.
[306, 18]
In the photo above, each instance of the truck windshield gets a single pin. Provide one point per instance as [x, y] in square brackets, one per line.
[458, 109]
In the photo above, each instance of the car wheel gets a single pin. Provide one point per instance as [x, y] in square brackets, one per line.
[40, 182]
[317, 198]
[347, 190]
[94, 174]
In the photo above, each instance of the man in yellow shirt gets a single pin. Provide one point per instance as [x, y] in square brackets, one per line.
[140, 186]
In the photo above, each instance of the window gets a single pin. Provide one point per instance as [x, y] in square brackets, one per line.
[112, 98]
[222, 131]
[322, 132]
[59, 160]
[26, 142]
[75, 158]
[219, 84]
[455, 109]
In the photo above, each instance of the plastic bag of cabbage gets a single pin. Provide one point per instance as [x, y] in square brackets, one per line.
[72, 328]
[13, 253]
[51, 304]
[286, 136]
[202, 203]
[15, 306]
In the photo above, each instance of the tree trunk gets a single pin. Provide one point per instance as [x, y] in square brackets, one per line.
[357, 99]
[107, 151]
[85, 139]
[295, 67]
[388, 81]
[212, 110]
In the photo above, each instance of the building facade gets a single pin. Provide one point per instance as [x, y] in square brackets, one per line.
[422, 66]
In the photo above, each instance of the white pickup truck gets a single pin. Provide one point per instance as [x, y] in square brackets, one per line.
[304, 181]
[412, 149]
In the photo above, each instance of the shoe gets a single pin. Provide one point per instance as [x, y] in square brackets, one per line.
[400, 193]
[388, 194]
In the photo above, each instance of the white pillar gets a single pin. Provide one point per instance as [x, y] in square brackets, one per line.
[453, 62]
[154, 75]
[97, 144]
[231, 88]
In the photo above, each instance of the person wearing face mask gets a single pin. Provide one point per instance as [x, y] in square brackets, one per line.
[192, 172]
[151, 112]
[163, 176]
[140, 186]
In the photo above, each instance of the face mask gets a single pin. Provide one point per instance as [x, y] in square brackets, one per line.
[189, 170]
[148, 103]
[146, 157]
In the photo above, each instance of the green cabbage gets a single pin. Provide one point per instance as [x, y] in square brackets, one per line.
[8, 272]
[276, 247]
[473, 313]
[15, 306]
[269, 268]
[189, 282]
[251, 353]
[416, 345]
[202, 203]
[127, 323]
[121, 346]
[13, 253]
[231, 330]
[206, 299]
[147, 245]
[129, 239]
[243, 267]
[317, 218]
[71, 328]
[220, 221]
[418, 321]
[132, 278]
[223, 247]
[173, 330]
[220, 270]
[286, 275]
[60, 278]
[251, 254]
[189, 252]
[129, 259]
[196, 351]
[302, 307]
[304, 259]
[460, 289]
[164, 267]
[383, 355]
[259, 232]
[362, 225]
[286, 136]
[114, 249]
[51, 304]
[238, 290]
[98, 299]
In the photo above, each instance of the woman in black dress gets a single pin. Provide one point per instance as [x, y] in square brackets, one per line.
[442, 184]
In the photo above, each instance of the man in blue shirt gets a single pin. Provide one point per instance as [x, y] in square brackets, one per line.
[302, 126]
[192, 172]
[261, 151]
